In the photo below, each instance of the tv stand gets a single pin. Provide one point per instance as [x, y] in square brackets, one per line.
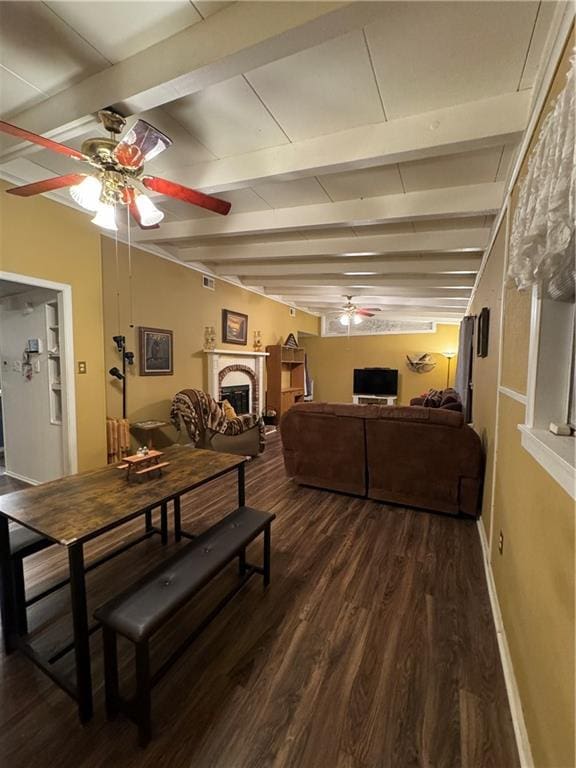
[377, 399]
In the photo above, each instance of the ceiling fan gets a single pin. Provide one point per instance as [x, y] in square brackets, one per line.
[350, 314]
[118, 177]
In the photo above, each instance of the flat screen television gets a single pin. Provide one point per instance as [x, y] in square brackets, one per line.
[376, 381]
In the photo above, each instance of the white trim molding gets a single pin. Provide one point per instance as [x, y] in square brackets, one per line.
[514, 701]
[22, 478]
[518, 396]
[556, 454]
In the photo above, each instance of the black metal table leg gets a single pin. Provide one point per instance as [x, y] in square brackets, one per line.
[148, 520]
[6, 588]
[241, 485]
[164, 522]
[266, 568]
[81, 633]
[177, 520]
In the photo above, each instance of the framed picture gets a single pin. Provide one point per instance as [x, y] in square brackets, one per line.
[483, 327]
[156, 352]
[234, 327]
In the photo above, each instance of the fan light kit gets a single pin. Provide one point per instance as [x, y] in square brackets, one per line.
[119, 179]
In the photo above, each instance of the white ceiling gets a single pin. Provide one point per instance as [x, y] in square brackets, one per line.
[384, 124]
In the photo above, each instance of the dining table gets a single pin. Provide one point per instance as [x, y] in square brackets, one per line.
[77, 509]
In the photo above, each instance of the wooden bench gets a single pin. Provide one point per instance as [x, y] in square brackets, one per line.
[139, 612]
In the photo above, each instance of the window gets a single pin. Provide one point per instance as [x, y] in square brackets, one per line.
[551, 390]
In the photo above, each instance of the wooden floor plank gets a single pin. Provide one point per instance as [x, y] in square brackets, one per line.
[373, 648]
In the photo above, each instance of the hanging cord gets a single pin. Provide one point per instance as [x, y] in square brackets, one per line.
[119, 332]
[131, 295]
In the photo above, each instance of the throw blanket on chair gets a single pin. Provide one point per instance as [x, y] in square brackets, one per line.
[199, 412]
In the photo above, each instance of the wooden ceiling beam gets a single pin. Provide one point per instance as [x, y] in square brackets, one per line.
[448, 202]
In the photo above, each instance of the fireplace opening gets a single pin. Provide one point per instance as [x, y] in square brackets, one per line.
[238, 396]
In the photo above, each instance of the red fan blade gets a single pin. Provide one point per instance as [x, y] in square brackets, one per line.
[141, 143]
[364, 313]
[130, 200]
[191, 196]
[38, 187]
[55, 146]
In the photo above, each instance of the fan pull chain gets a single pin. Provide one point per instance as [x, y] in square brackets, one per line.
[119, 331]
[131, 294]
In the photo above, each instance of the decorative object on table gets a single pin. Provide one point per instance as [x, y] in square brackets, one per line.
[421, 362]
[541, 248]
[234, 327]
[144, 463]
[127, 357]
[257, 341]
[449, 356]
[482, 330]
[108, 182]
[156, 352]
[291, 341]
[148, 428]
[117, 439]
[209, 338]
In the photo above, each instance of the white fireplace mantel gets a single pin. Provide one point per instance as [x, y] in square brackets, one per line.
[218, 359]
[244, 352]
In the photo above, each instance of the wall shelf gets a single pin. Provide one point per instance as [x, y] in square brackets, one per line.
[285, 378]
[54, 366]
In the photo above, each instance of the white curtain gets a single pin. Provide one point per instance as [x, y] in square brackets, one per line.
[542, 236]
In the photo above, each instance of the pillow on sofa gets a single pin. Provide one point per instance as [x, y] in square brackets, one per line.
[228, 409]
[432, 399]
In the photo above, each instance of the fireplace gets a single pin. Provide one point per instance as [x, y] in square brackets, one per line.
[238, 396]
[230, 370]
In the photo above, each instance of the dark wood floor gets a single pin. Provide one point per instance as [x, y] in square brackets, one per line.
[374, 647]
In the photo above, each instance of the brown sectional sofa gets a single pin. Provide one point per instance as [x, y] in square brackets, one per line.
[418, 457]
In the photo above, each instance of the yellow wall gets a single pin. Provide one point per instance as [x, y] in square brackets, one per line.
[43, 239]
[333, 359]
[169, 295]
[535, 574]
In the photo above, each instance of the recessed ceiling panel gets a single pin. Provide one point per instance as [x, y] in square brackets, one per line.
[286, 194]
[121, 29]
[15, 94]
[435, 54]
[545, 13]
[42, 49]
[208, 8]
[321, 90]
[457, 170]
[228, 119]
[508, 158]
[367, 182]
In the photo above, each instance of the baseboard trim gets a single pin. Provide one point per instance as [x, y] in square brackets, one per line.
[24, 479]
[520, 732]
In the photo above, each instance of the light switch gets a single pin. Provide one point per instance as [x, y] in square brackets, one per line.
[36, 366]
[81, 366]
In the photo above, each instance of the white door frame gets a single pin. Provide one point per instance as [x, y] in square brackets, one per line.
[67, 341]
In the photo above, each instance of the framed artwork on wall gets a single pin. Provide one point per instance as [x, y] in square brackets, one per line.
[234, 327]
[482, 330]
[156, 352]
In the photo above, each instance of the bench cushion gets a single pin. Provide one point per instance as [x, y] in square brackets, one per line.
[24, 542]
[142, 609]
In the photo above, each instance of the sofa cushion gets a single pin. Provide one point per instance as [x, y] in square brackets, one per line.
[324, 450]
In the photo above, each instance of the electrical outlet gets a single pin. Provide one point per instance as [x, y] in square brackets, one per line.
[17, 366]
[501, 543]
[37, 366]
[81, 366]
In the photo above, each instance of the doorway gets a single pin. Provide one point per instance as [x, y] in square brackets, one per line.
[37, 395]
